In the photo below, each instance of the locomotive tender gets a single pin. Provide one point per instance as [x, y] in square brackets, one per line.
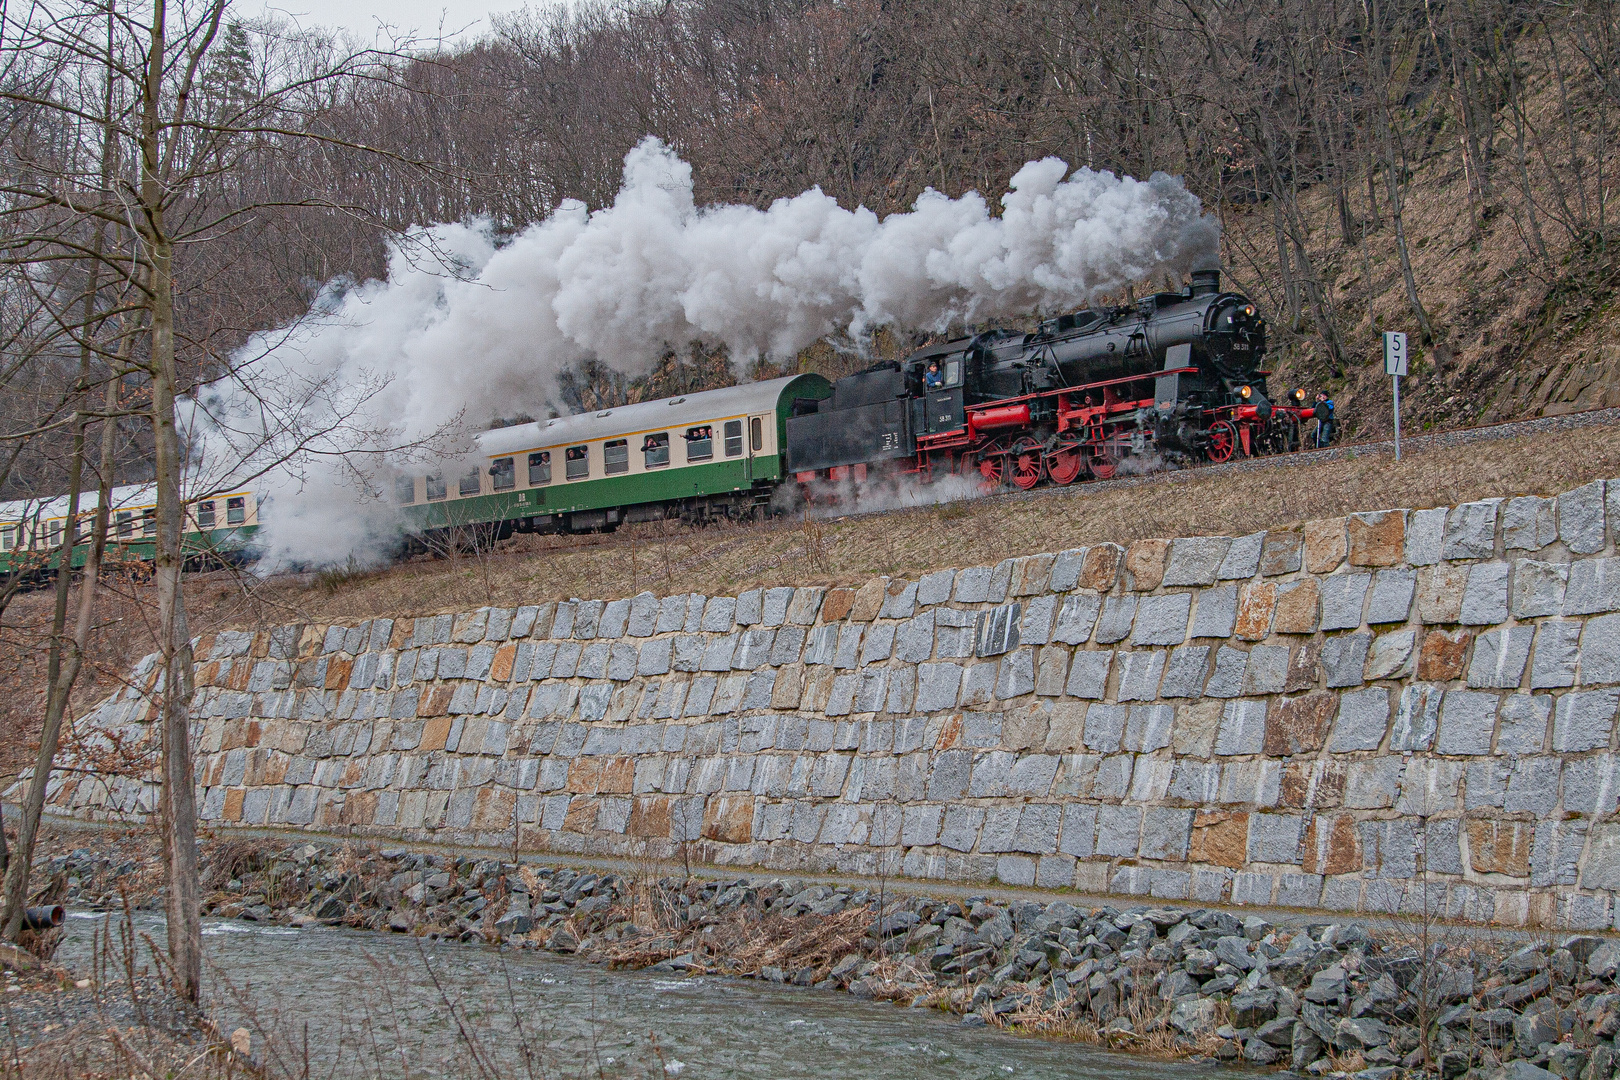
[1175, 375]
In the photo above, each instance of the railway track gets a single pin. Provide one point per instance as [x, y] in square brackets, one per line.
[1486, 433]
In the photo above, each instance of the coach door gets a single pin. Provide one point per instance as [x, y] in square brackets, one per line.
[761, 441]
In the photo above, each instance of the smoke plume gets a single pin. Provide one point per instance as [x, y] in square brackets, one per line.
[465, 328]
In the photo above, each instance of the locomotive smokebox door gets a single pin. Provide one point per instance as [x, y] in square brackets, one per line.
[1167, 388]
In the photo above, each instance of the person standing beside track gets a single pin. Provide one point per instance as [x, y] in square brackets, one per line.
[1326, 424]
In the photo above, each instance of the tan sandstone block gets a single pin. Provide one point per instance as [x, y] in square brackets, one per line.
[1442, 656]
[492, 809]
[337, 672]
[649, 817]
[1219, 838]
[1318, 784]
[1196, 725]
[1500, 847]
[1145, 561]
[868, 600]
[1302, 667]
[584, 773]
[404, 630]
[1066, 728]
[729, 820]
[1440, 593]
[207, 674]
[233, 803]
[1298, 605]
[500, 669]
[1299, 726]
[1256, 603]
[836, 604]
[618, 776]
[1324, 545]
[788, 688]
[1024, 730]
[1377, 539]
[581, 816]
[359, 808]
[1100, 570]
[434, 734]
[1332, 845]
[353, 773]
[436, 702]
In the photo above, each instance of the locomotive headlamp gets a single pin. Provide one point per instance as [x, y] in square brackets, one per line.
[1298, 395]
[1249, 310]
[1246, 392]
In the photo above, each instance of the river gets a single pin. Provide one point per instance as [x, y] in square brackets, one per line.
[358, 1004]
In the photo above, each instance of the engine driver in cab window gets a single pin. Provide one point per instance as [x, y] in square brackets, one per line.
[699, 443]
[933, 378]
[733, 438]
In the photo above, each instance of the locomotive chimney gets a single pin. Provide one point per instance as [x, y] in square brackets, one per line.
[1206, 282]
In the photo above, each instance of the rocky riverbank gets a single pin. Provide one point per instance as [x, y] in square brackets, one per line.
[1323, 998]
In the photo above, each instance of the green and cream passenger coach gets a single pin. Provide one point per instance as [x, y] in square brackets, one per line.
[712, 454]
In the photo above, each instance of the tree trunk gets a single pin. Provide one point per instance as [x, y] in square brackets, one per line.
[178, 808]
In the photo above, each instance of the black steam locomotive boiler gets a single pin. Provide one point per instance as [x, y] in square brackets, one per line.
[1172, 378]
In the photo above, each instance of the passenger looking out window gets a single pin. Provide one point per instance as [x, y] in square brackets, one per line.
[655, 449]
[540, 468]
[504, 474]
[616, 457]
[699, 443]
[205, 513]
[236, 510]
[578, 462]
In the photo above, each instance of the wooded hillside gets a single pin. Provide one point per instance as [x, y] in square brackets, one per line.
[1446, 168]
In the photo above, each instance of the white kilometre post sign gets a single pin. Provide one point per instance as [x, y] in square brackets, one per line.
[1395, 368]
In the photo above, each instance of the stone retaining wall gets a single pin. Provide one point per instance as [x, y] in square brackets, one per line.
[1401, 710]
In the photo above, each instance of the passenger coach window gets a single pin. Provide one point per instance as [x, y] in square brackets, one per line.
[236, 511]
[149, 522]
[8, 538]
[435, 487]
[56, 534]
[733, 438]
[469, 483]
[578, 463]
[616, 456]
[699, 443]
[540, 468]
[504, 474]
[655, 448]
[126, 524]
[205, 514]
[404, 492]
[756, 433]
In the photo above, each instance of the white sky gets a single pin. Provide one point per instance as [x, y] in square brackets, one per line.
[459, 19]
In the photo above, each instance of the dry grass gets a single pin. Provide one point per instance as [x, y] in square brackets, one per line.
[668, 559]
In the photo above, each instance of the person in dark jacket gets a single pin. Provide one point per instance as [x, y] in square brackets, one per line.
[1326, 425]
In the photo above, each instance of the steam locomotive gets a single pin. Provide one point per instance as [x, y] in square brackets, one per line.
[1172, 378]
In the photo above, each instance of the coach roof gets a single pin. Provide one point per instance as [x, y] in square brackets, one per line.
[665, 414]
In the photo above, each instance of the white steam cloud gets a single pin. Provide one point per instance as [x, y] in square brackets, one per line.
[465, 329]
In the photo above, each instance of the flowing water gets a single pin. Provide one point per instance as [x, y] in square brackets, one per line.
[358, 1004]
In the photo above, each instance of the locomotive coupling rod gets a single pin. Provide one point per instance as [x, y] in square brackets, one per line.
[43, 918]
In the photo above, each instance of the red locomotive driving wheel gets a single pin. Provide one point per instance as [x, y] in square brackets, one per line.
[1064, 466]
[1027, 466]
[1223, 438]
